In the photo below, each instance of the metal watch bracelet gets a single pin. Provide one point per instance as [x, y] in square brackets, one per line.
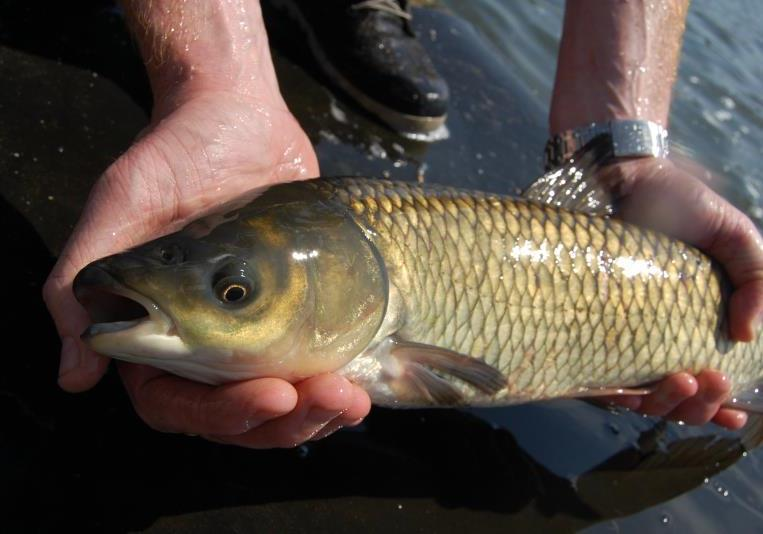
[630, 139]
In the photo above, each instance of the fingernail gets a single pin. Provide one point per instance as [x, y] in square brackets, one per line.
[70, 356]
[356, 422]
[321, 416]
[216, 439]
[326, 432]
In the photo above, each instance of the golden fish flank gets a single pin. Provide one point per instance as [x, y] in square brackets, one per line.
[424, 295]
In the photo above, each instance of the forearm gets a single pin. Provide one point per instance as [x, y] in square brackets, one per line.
[202, 46]
[617, 60]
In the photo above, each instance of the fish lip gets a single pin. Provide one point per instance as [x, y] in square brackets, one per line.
[97, 278]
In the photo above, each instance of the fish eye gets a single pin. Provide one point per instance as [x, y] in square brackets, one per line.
[171, 255]
[233, 289]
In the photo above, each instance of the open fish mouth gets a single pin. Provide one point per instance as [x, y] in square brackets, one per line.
[116, 309]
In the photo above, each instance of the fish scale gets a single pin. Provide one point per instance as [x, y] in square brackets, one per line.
[558, 301]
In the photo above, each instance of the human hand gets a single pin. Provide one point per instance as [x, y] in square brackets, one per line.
[202, 149]
[656, 193]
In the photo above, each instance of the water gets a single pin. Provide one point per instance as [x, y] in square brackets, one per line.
[86, 461]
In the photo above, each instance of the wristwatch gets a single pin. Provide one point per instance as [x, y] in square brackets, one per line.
[630, 139]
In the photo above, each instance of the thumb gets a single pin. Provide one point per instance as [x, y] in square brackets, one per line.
[80, 367]
[746, 311]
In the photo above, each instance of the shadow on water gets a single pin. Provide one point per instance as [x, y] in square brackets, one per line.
[86, 461]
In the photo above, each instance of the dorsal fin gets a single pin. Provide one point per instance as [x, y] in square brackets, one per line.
[574, 186]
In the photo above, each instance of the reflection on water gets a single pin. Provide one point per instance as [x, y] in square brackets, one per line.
[559, 466]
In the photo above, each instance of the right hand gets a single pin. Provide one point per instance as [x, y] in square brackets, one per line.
[659, 194]
[202, 150]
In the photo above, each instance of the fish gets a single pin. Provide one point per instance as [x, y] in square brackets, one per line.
[424, 295]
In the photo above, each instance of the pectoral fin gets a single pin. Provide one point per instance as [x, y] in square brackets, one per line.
[574, 186]
[422, 368]
[428, 385]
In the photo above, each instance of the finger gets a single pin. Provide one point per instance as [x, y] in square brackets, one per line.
[321, 400]
[735, 242]
[172, 404]
[746, 311]
[669, 393]
[730, 418]
[361, 405]
[713, 389]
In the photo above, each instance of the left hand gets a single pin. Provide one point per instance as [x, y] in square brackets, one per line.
[656, 193]
[207, 149]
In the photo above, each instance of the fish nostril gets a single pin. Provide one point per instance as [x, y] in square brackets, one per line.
[171, 255]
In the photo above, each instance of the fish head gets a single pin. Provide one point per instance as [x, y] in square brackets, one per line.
[280, 288]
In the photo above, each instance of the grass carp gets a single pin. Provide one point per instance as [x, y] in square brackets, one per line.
[424, 295]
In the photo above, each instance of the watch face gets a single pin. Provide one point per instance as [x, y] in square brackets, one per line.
[635, 138]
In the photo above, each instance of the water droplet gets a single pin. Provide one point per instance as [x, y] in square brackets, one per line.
[377, 150]
[722, 115]
[720, 490]
[665, 519]
[338, 113]
[421, 173]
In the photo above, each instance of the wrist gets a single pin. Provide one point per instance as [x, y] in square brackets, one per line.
[616, 63]
[575, 110]
[203, 47]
